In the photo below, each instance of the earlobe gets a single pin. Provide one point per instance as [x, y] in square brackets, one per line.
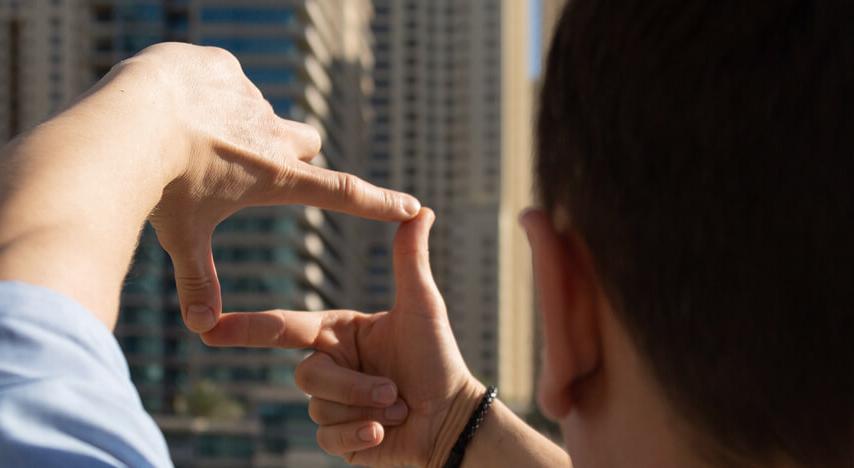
[567, 295]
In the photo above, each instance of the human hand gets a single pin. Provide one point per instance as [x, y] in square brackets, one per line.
[405, 360]
[228, 150]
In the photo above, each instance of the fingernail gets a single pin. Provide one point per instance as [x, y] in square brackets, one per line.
[396, 412]
[200, 316]
[367, 433]
[411, 205]
[384, 394]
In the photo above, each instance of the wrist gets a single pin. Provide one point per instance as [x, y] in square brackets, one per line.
[139, 93]
[461, 409]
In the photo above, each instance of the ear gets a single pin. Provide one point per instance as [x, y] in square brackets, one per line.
[567, 292]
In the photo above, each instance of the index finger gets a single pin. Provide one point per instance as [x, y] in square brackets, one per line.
[272, 328]
[277, 329]
[346, 193]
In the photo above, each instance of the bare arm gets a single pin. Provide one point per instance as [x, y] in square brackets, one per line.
[177, 135]
[503, 440]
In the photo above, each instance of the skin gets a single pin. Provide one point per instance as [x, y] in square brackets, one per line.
[178, 135]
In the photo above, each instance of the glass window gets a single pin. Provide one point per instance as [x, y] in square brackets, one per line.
[378, 174]
[378, 251]
[282, 106]
[252, 45]
[104, 13]
[225, 446]
[268, 75]
[151, 373]
[143, 12]
[135, 43]
[149, 346]
[279, 16]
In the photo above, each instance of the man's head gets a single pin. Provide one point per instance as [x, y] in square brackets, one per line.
[696, 163]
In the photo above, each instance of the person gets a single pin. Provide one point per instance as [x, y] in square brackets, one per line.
[692, 255]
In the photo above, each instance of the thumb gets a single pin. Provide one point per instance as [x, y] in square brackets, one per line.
[412, 275]
[197, 284]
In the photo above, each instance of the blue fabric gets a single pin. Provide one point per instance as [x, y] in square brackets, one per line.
[66, 398]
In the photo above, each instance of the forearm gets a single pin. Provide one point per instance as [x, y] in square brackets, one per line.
[75, 191]
[503, 440]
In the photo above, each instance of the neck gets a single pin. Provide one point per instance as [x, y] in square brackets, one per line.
[621, 417]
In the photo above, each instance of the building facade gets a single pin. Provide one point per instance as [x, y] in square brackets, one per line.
[42, 64]
[451, 125]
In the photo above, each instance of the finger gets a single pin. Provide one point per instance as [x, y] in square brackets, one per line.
[346, 193]
[197, 285]
[272, 328]
[304, 139]
[326, 413]
[343, 439]
[413, 278]
[319, 376]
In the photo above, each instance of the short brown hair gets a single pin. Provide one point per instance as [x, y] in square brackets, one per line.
[705, 152]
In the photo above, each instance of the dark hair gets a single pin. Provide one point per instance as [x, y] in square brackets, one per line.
[705, 152]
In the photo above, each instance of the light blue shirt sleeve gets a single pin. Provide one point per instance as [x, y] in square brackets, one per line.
[66, 398]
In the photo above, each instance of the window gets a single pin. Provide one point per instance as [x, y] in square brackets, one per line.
[244, 15]
[378, 251]
[379, 174]
[104, 13]
[283, 106]
[377, 270]
[142, 12]
[269, 75]
[252, 45]
[378, 289]
[137, 42]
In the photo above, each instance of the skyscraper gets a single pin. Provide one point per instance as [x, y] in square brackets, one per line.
[451, 125]
[41, 60]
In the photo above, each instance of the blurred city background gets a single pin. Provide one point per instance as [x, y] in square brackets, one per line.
[432, 97]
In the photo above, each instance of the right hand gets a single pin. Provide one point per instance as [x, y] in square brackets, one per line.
[228, 150]
[409, 350]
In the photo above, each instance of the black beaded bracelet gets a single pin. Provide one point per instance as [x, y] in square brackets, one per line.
[455, 458]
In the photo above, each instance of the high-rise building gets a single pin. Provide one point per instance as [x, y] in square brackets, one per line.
[41, 60]
[451, 124]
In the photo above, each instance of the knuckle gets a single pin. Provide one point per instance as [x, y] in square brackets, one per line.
[198, 283]
[349, 186]
[313, 140]
[390, 201]
[223, 55]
